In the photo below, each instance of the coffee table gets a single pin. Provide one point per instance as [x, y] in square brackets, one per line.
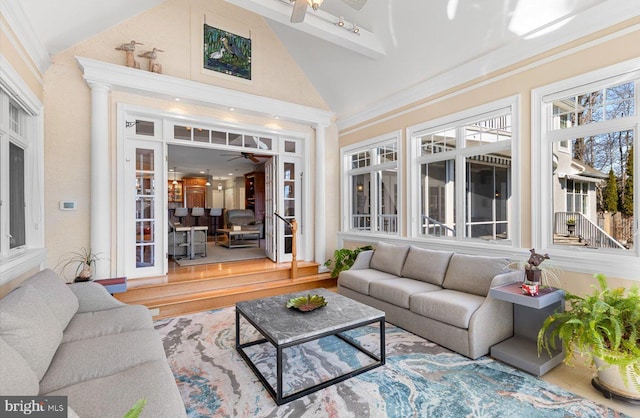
[285, 328]
[240, 236]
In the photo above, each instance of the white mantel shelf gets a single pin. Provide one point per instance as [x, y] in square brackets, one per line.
[121, 78]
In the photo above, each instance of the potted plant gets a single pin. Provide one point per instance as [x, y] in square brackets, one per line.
[84, 259]
[604, 327]
[571, 225]
[343, 259]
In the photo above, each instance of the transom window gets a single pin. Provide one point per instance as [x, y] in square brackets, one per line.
[462, 174]
[371, 185]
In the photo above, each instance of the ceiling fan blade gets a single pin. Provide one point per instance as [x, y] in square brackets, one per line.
[356, 4]
[234, 158]
[254, 159]
[299, 11]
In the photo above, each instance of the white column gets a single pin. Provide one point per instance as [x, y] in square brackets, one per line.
[100, 179]
[320, 195]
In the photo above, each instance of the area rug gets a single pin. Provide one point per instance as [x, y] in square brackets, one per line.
[221, 254]
[419, 379]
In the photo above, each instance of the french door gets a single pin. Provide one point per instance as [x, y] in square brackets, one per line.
[144, 227]
[289, 200]
[270, 198]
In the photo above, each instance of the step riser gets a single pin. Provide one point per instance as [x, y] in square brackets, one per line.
[190, 306]
[150, 292]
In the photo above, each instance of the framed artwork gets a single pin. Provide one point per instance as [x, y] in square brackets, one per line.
[226, 53]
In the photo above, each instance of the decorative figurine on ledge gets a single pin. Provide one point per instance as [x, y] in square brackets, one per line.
[533, 273]
[129, 49]
[152, 56]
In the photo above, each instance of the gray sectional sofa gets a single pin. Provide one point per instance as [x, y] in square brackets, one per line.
[438, 295]
[78, 341]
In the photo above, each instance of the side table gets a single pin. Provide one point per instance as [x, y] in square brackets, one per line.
[114, 285]
[529, 313]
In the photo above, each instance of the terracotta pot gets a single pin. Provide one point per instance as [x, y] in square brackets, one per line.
[610, 379]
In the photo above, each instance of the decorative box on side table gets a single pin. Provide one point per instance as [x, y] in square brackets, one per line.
[529, 312]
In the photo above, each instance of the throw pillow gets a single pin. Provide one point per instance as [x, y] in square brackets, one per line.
[56, 293]
[389, 258]
[426, 265]
[473, 274]
[28, 325]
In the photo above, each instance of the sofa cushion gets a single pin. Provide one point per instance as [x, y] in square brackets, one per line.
[56, 293]
[112, 396]
[426, 265]
[398, 291]
[389, 258]
[16, 377]
[30, 327]
[112, 321]
[359, 280]
[473, 274]
[448, 306]
[84, 360]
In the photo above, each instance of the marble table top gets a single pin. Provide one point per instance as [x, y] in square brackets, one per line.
[283, 325]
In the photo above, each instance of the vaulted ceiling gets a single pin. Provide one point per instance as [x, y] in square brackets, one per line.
[416, 47]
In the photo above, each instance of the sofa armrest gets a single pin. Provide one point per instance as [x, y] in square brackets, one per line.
[511, 276]
[94, 297]
[363, 259]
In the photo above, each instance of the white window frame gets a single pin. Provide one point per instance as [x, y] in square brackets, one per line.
[18, 261]
[459, 155]
[581, 259]
[347, 172]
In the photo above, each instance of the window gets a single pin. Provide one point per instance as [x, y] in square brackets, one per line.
[21, 208]
[372, 186]
[587, 129]
[462, 175]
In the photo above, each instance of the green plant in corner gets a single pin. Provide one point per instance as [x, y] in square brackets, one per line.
[137, 409]
[604, 325]
[344, 258]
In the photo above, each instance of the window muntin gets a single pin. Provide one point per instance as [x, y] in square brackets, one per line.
[464, 176]
[372, 183]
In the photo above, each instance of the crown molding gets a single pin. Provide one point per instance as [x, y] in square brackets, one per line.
[121, 78]
[21, 26]
[597, 18]
[320, 24]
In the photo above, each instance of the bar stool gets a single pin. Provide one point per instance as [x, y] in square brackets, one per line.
[180, 213]
[215, 214]
[197, 213]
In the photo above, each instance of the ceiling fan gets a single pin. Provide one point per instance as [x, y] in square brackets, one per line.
[249, 156]
[300, 7]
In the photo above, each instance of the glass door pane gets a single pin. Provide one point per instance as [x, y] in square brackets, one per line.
[145, 221]
[289, 195]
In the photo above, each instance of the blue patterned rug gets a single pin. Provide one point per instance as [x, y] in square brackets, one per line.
[420, 379]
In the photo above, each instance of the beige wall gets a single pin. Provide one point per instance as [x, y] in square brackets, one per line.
[571, 60]
[174, 26]
[14, 52]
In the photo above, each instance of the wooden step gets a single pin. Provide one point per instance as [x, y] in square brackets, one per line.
[197, 288]
[184, 286]
[203, 301]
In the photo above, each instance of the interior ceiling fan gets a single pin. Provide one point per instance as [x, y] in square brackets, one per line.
[248, 156]
[300, 7]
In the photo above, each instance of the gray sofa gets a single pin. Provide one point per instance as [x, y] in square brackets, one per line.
[78, 341]
[244, 218]
[438, 295]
